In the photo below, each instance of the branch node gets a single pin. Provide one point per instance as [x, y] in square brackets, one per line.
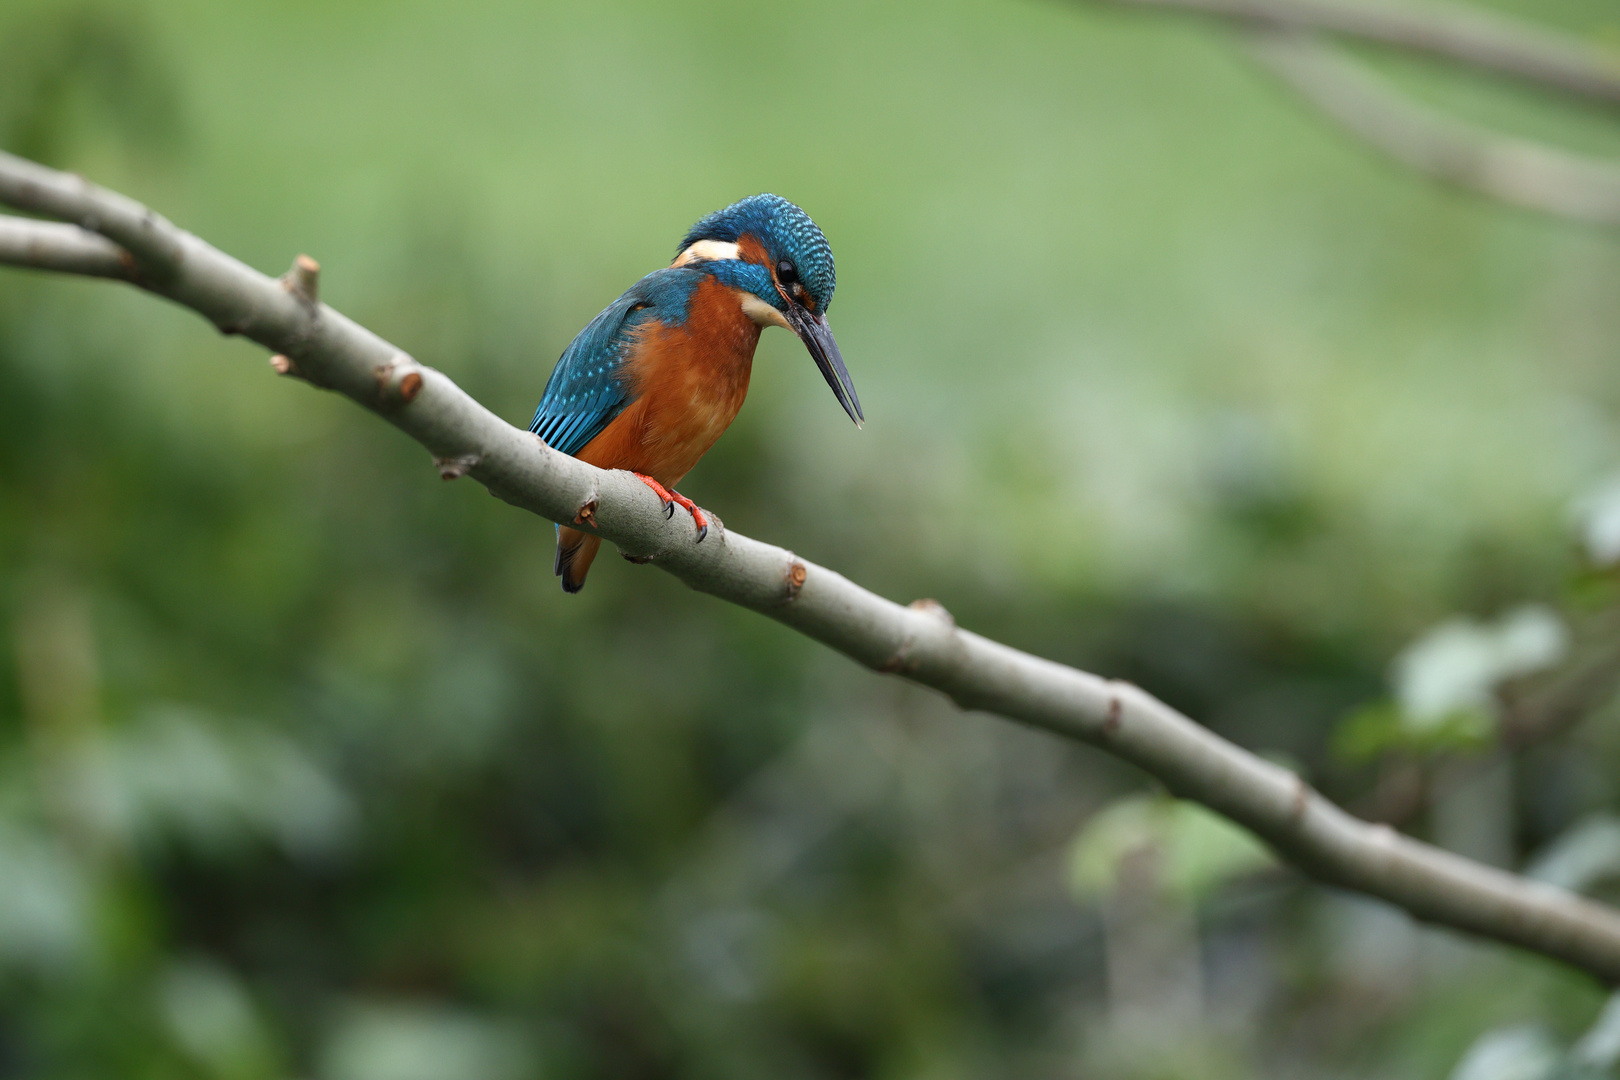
[1302, 800]
[1113, 715]
[900, 662]
[454, 468]
[303, 280]
[283, 365]
[934, 608]
[398, 381]
[586, 515]
[639, 560]
[795, 576]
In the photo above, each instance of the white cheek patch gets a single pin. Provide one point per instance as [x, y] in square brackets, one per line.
[762, 313]
[713, 250]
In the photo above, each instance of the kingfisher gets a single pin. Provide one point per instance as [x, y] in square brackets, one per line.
[651, 382]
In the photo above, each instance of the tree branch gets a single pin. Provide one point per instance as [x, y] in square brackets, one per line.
[51, 245]
[1516, 171]
[920, 643]
[1465, 35]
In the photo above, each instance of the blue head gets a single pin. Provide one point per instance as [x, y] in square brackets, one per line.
[784, 234]
[771, 251]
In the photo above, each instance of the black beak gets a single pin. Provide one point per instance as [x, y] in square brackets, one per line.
[817, 337]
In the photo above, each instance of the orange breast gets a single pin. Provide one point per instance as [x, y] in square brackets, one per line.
[689, 382]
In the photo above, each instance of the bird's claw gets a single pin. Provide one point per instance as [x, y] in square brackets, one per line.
[673, 499]
[699, 518]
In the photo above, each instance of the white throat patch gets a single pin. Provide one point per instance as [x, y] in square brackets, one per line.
[762, 313]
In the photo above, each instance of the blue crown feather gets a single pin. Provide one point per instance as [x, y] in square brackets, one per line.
[787, 233]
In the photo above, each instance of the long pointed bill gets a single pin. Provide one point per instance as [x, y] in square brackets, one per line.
[817, 337]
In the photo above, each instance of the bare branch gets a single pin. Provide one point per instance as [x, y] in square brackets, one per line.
[920, 642]
[51, 245]
[154, 243]
[1465, 35]
[1516, 171]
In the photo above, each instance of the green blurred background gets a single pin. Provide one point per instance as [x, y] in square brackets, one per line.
[309, 769]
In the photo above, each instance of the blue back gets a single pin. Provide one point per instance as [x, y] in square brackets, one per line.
[591, 382]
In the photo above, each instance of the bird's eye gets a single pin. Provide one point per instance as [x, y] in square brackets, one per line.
[785, 272]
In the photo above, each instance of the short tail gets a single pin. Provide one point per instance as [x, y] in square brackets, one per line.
[575, 553]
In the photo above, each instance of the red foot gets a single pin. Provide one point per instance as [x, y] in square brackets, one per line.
[673, 499]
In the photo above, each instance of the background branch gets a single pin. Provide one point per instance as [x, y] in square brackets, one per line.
[1517, 171]
[920, 642]
[1465, 35]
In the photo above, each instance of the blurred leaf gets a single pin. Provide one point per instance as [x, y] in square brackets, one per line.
[1597, 517]
[1519, 1053]
[1381, 727]
[213, 1019]
[1596, 1054]
[1194, 850]
[1584, 855]
[424, 1042]
[45, 903]
[1445, 684]
[175, 774]
[1457, 665]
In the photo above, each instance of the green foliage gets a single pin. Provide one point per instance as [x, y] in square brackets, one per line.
[1194, 850]
[1380, 728]
[1532, 1053]
[73, 73]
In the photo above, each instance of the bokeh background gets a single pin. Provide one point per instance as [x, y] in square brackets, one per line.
[309, 770]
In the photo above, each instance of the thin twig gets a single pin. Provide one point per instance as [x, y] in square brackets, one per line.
[1462, 34]
[1516, 171]
[920, 642]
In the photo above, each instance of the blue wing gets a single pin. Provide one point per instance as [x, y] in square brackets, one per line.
[591, 382]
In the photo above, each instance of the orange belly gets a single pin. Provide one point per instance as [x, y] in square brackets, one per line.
[688, 382]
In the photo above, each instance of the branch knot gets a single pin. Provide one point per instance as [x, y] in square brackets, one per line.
[454, 468]
[303, 280]
[282, 364]
[902, 662]
[794, 578]
[398, 381]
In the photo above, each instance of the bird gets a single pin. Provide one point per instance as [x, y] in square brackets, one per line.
[651, 383]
